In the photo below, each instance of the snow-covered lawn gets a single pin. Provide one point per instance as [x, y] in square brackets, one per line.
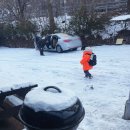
[104, 105]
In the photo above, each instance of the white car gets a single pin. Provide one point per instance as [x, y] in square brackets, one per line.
[65, 42]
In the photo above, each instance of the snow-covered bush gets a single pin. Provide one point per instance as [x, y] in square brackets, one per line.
[16, 32]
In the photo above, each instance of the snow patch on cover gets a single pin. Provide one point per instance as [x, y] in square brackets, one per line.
[15, 86]
[49, 100]
[14, 100]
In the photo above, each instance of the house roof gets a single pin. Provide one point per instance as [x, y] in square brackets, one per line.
[121, 18]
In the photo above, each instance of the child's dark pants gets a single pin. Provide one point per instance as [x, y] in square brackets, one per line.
[87, 74]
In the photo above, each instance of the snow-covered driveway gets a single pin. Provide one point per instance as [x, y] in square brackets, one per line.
[104, 105]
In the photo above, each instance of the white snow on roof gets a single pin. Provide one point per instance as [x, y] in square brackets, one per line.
[49, 100]
[121, 18]
[114, 28]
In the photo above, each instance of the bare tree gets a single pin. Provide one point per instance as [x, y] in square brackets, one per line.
[82, 2]
[51, 16]
[128, 6]
[22, 4]
[17, 8]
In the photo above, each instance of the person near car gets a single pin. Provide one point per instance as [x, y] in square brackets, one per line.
[36, 39]
[54, 41]
[48, 41]
[51, 41]
[85, 62]
[40, 44]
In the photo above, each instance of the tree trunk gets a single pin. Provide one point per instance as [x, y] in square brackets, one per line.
[51, 16]
[21, 9]
[128, 6]
[83, 3]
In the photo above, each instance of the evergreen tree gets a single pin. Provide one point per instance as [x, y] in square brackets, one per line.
[84, 24]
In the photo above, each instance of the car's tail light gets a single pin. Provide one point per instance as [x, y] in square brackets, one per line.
[68, 40]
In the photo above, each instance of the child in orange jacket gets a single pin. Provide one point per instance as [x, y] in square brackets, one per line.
[84, 61]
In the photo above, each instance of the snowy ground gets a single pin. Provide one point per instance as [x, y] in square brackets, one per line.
[104, 105]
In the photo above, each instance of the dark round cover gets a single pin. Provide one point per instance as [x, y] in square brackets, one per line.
[59, 120]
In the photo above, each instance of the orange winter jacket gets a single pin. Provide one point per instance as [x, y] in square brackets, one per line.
[85, 59]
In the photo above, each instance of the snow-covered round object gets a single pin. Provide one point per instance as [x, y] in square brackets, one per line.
[50, 99]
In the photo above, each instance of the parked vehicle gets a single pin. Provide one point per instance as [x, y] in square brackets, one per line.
[61, 42]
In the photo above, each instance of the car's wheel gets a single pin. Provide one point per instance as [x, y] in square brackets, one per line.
[59, 49]
[74, 49]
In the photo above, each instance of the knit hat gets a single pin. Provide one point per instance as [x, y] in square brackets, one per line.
[88, 49]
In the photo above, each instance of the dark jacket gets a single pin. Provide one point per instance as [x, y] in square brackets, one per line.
[41, 43]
